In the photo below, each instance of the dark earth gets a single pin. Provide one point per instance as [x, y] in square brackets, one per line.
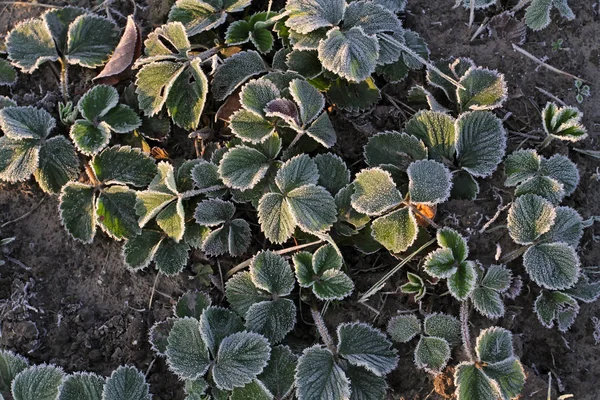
[77, 305]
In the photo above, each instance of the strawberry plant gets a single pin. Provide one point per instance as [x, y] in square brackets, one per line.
[537, 15]
[563, 123]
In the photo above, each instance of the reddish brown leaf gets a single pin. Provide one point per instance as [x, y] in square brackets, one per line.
[231, 105]
[127, 51]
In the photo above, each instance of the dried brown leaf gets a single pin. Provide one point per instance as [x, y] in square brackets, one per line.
[127, 51]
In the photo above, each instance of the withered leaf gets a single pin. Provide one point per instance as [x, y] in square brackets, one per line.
[127, 51]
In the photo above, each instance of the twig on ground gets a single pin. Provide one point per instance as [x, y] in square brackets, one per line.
[553, 97]
[27, 214]
[545, 65]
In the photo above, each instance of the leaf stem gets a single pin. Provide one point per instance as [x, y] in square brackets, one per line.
[322, 328]
[192, 193]
[425, 217]
[91, 174]
[545, 143]
[64, 78]
[429, 65]
[514, 254]
[464, 328]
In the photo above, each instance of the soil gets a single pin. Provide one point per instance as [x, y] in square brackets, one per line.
[77, 306]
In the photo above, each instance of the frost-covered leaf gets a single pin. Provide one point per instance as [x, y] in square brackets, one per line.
[200, 16]
[484, 89]
[432, 354]
[563, 122]
[124, 165]
[297, 172]
[153, 84]
[443, 326]
[322, 131]
[254, 390]
[58, 164]
[243, 167]
[353, 96]
[529, 217]
[158, 336]
[537, 15]
[115, 209]
[187, 95]
[187, 354]
[40, 382]
[451, 239]
[205, 175]
[333, 172]
[278, 375]
[307, 16]
[318, 376]
[256, 94]
[285, 109]
[487, 302]
[276, 219]
[462, 282]
[563, 170]
[494, 345]
[126, 383]
[351, 54]
[508, 375]
[473, 384]
[584, 290]
[481, 142]
[30, 44]
[233, 237]
[371, 17]
[195, 389]
[91, 39]
[305, 62]
[392, 5]
[367, 347]
[10, 365]
[78, 211]
[8, 75]
[556, 307]
[394, 148]
[333, 285]
[437, 131]
[168, 40]
[6, 102]
[217, 323]
[26, 122]
[553, 266]
[365, 385]
[543, 186]
[403, 328]
[88, 137]
[122, 119]
[272, 273]
[192, 304]
[82, 386]
[171, 257]
[310, 101]
[441, 263]
[374, 192]
[414, 286]
[250, 127]
[273, 319]
[236, 70]
[396, 231]
[18, 158]
[521, 166]
[241, 357]
[98, 101]
[242, 293]
[429, 182]
[313, 208]
[213, 212]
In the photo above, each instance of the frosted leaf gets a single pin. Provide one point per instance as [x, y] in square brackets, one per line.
[529, 217]
[437, 130]
[168, 40]
[464, 186]
[195, 389]
[238, 32]
[89, 138]
[30, 44]
[429, 182]
[333, 285]
[351, 54]
[396, 231]
[78, 211]
[326, 258]
[272, 273]
[82, 386]
[213, 212]
[487, 302]
[10, 365]
[313, 208]
[187, 354]
[367, 347]
[304, 62]
[452, 67]
[153, 84]
[553, 266]
[584, 290]
[414, 286]
[115, 208]
[563, 170]
[353, 96]
[509, 375]
[278, 375]
[521, 166]
[318, 376]
[122, 119]
[217, 323]
[322, 131]
[419, 95]
[255, 390]
[297, 172]
[390, 47]
[473, 384]
[374, 192]
[556, 307]
[392, 5]
[124, 165]
[365, 385]
[242, 293]
[494, 344]
[443, 326]
[432, 354]
[200, 16]
[276, 219]
[310, 101]
[440, 263]
[333, 172]
[284, 109]
[498, 278]
[273, 319]
[462, 283]
[484, 90]
[256, 94]
[187, 96]
[192, 304]
[171, 257]
[18, 158]
[563, 122]
[204, 175]
[345, 211]
[403, 328]
[371, 17]
[234, 71]
[543, 186]
[307, 41]
[91, 40]
[394, 148]
[450, 239]
[40, 382]
[537, 15]
[243, 167]
[481, 142]
[308, 16]
[250, 127]
[126, 383]
[26, 123]
[233, 238]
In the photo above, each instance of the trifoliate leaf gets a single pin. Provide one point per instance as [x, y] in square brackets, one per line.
[558, 307]
[58, 164]
[494, 344]
[396, 231]
[10, 365]
[351, 54]
[481, 142]
[403, 328]
[272, 273]
[26, 122]
[318, 376]
[414, 286]
[275, 218]
[552, 265]
[187, 95]
[256, 94]
[462, 283]
[91, 40]
[484, 89]
[236, 70]
[371, 17]
[18, 158]
[78, 211]
[432, 354]
[250, 127]
[305, 62]
[217, 323]
[443, 326]
[278, 375]
[394, 148]
[563, 170]
[441, 263]
[241, 357]
[126, 383]
[192, 304]
[429, 182]
[529, 217]
[254, 390]
[509, 376]
[313, 208]
[437, 131]
[326, 258]
[124, 165]
[310, 101]
[98, 101]
[451, 239]
[115, 207]
[238, 32]
[273, 319]
[242, 293]
[365, 385]
[374, 192]
[171, 257]
[243, 167]
[308, 16]
[153, 84]
[82, 386]
[89, 137]
[473, 384]
[40, 382]
[30, 44]
[333, 172]
[187, 354]
[367, 347]
[233, 238]
[353, 96]
[563, 123]
[521, 166]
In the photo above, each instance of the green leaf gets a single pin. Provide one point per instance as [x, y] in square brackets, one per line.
[214, 212]
[403, 328]
[168, 40]
[429, 182]
[351, 54]
[432, 354]
[187, 354]
[563, 122]
[464, 186]
[115, 209]
[254, 390]
[333, 172]
[473, 384]
[333, 285]
[397, 231]
[509, 376]
[367, 347]
[548, 188]
[18, 158]
[326, 258]
[82, 386]
[441, 263]
[150, 203]
[394, 148]
[195, 389]
[90, 138]
[437, 130]
[307, 16]
[312, 207]
[278, 375]
[91, 40]
[498, 278]
[494, 344]
[529, 217]
[487, 302]
[443, 326]
[122, 119]
[585, 290]
[206, 175]
[558, 307]
[309, 100]
[537, 15]
[192, 304]
[563, 170]
[153, 84]
[98, 101]
[241, 357]
[200, 16]
[297, 172]
[8, 75]
[124, 165]
[553, 266]
[242, 293]
[238, 32]
[139, 250]
[451, 239]
[273, 319]
[318, 376]
[305, 62]
[30, 44]
[10, 365]
[58, 164]
[256, 94]
[272, 273]
[58, 21]
[217, 323]
[171, 257]
[250, 127]
[187, 95]
[40, 382]
[243, 167]
[236, 70]
[352, 96]
[78, 211]
[233, 237]
[126, 383]
[374, 192]
[484, 89]
[6, 102]
[481, 142]
[462, 283]
[263, 39]
[520, 166]
[371, 17]
[322, 131]
[26, 122]
[414, 286]
[275, 217]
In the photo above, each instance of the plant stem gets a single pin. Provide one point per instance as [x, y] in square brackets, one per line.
[545, 143]
[514, 254]
[429, 65]
[246, 263]
[464, 327]
[192, 193]
[425, 217]
[320, 323]
[543, 64]
[91, 174]
[64, 78]
[472, 14]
